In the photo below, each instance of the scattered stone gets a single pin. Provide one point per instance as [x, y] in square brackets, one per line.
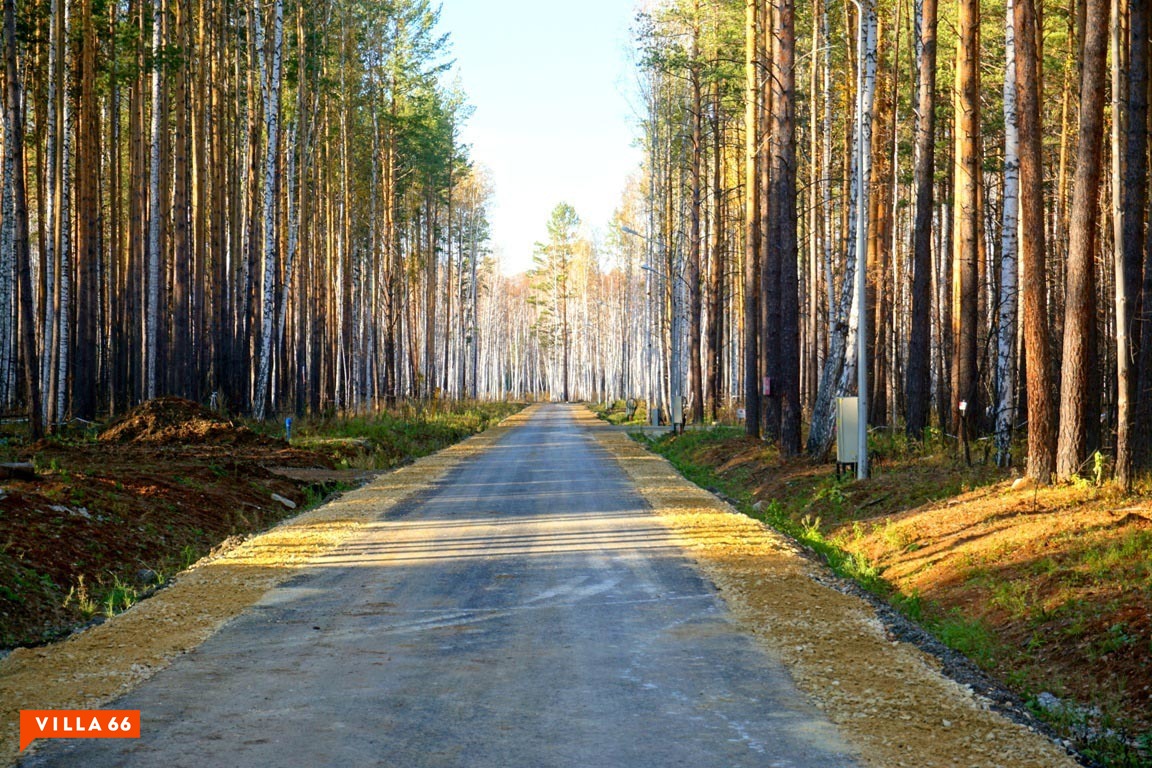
[77, 512]
[758, 506]
[146, 576]
[286, 502]
[1049, 703]
[1023, 484]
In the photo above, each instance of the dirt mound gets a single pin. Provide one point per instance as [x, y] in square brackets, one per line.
[176, 420]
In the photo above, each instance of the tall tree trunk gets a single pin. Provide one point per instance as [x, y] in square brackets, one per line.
[1006, 332]
[751, 218]
[782, 226]
[1133, 444]
[1080, 299]
[152, 316]
[15, 108]
[716, 275]
[769, 258]
[966, 215]
[270, 87]
[8, 283]
[695, 303]
[179, 369]
[52, 230]
[88, 253]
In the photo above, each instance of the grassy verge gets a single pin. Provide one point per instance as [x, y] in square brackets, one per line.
[1046, 589]
[618, 413]
[397, 435]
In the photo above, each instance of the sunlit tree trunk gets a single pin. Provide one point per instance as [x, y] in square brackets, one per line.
[966, 217]
[1080, 298]
[717, 264]
[1006, 331]
[51, 223]
[86, 373]
[695, 303]
[751, 218]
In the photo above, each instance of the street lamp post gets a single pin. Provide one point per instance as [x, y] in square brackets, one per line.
[676, 415]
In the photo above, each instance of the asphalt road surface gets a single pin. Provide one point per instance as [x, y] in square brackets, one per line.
[527, 612]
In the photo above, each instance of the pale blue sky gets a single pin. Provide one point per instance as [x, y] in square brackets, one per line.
[552, 86]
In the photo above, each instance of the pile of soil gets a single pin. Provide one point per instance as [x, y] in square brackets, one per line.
[110, 518]
[176, 420]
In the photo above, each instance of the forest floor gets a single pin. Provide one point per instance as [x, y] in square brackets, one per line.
[1048, 590]
[112, 515]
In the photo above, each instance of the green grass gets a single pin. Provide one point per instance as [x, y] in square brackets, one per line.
[967, 635]
[398, 435]
[795, 516]
[616, 412]
[808, 529]
[120, 597]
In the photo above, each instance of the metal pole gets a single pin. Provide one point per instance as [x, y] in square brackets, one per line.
[674, 361]
[863, 171]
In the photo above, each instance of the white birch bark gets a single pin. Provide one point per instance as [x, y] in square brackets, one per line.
[51, 213]
[61, 354]
[1123, 470]
[474, 329]
[270, 87]
[1009, 238]
[152, 313]
[7, 273]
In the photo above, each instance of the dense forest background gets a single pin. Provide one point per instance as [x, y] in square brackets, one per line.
[982, 164]
[267, 206]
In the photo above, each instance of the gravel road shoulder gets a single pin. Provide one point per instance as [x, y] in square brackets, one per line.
[889, 697]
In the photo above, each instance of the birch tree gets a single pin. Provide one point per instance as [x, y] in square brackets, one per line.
[840, 364]
[155, 214]
[270, 90]
[1006, 330]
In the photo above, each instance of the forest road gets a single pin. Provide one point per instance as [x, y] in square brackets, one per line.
[526, 612]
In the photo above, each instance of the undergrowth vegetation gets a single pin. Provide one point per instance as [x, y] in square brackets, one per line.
[396, 435]
[630, 412]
